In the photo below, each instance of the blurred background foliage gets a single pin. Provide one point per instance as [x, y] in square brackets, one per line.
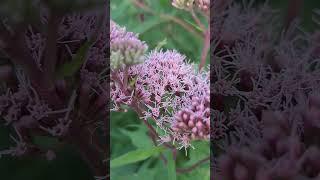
[158, 20]
[306, 13]
[154, 25]
[67, 165]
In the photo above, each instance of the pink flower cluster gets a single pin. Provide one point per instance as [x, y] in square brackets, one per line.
[171, 92]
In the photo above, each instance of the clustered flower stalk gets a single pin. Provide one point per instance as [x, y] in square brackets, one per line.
[169, 91]
[265, 90]
[166, 90]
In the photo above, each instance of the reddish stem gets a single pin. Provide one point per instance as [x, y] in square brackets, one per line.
[197, 20]
[206, 47]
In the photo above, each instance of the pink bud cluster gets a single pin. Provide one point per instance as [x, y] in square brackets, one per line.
[125, 47]
[194, 121]
[203, 5]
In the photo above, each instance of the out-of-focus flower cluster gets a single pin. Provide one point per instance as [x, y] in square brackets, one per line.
[283, 151]
[23, 108]
[203, 5]
[125, 47]
[260, 90]
[171, 93]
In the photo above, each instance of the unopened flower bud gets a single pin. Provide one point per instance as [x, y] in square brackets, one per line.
[183, 4]
[126, 48]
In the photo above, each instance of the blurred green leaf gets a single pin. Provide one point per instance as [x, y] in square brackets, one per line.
[153, 28]
[201, 151]
[70, 68]
[204, 173]
[118, 8]
[161, 172]
[139, 137]
[143, 175]
[150, 23]
[135, 156]
[171, 167]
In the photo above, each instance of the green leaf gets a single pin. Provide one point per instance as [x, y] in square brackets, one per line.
[145, 172]
[143, 175]
[135, 156]
[139, 137]
[118, 8]
[161, 171]
[70, 68]
[165, 3]
[201, 151]
[204, 173]
[148, 24]
[171, 167]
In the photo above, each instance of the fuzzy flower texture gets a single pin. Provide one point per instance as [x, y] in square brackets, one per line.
[266, 95]
[30, 110]
[165, 89]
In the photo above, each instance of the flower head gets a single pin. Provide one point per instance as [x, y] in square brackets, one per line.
[174, 94]
[126, 48]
